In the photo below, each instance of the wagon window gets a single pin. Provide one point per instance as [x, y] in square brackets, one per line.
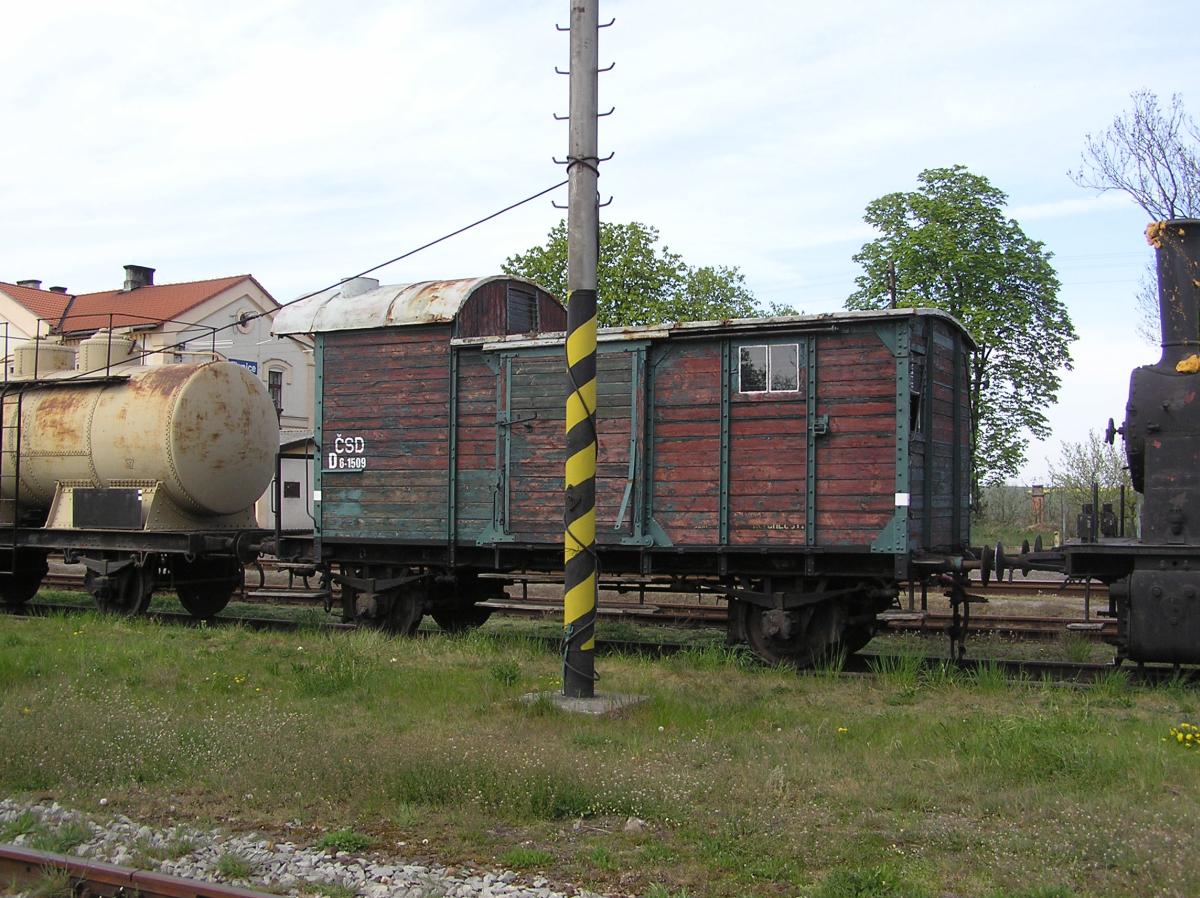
[785, 368]
[522, 311]
[769, 369]
[753, 376]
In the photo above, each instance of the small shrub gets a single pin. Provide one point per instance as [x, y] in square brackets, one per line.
[874, 882]
[988, 676]
[62, 840]
[506, 673]
[1112, 688]
[1077, 648]
[602, 858]
[329, 890]
[1186, 735]
[347, 840]
[526, 858]
[234, 866]
[54, 883]
[25, 823]
[900, 669]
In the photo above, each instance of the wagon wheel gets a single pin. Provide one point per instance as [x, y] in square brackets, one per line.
[125, 592]
[20, 586]
[407, 608]
[455, 607]
[205, 586]
[801, 637]
[460, 616]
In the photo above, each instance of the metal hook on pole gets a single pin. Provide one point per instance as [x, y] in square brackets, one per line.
[607, 68]
[606, 24]
[559, 71]
[603, 114]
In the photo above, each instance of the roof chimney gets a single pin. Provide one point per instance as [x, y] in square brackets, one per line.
[58, 289]
[138, 276]
[31, 283]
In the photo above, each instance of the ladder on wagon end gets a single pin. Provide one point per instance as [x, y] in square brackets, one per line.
[12, 402]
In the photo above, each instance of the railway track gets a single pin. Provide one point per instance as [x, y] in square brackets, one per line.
[92, 879]
[856, 665]
[622, 607]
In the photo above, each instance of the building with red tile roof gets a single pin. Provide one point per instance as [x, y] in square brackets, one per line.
[228, 317]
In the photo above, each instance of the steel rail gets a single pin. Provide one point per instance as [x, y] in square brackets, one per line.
[94, 879]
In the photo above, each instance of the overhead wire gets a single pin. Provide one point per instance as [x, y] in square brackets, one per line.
[243, 320]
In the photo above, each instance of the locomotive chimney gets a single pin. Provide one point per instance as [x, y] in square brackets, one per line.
[138, 276]
[1177, 247]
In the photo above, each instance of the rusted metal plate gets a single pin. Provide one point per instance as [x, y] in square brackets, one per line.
[395, 305]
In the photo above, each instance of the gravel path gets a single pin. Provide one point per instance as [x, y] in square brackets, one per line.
[283, 867]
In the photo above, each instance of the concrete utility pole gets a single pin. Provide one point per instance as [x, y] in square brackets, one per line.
[583, 223]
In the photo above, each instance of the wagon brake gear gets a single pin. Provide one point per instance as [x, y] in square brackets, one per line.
[960, 604]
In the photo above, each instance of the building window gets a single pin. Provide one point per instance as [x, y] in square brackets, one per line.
[769, 369]
[275, 388]
[522, 311]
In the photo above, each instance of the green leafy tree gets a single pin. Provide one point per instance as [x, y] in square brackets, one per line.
[953, 249]
[638, 282]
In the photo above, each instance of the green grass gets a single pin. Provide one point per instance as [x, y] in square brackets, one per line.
[526, 858]
[923, 780]
[61, 840]
[346, 840]
[234, 867]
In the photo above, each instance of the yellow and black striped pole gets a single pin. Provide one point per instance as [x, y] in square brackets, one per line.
[579, 540]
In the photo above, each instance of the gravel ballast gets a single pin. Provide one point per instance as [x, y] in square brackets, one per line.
[279, 866]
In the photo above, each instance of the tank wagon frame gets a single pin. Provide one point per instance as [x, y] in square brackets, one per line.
[801, 466]
[147, 475]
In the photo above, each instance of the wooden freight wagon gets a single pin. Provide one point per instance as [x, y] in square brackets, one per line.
[798, 465]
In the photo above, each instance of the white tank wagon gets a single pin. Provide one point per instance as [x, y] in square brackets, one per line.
[109, 462]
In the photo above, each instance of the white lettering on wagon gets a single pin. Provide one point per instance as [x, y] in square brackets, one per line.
[349, 454]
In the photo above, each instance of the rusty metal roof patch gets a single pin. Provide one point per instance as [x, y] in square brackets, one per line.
[362, 303]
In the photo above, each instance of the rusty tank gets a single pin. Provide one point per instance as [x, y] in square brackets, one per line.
[190, 443]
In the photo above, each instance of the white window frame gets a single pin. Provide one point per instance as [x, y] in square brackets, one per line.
[768, 347]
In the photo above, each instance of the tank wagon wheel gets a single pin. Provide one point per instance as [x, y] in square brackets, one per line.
[21, 585]
[454, 602]
[125, 592]
[205, 585]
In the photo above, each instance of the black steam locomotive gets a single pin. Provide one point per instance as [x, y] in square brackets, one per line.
[1154, 579]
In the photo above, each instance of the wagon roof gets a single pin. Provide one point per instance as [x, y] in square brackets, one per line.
[686, 329]
[362, 303]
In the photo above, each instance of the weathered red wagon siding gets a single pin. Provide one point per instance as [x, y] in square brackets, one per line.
[441, 429]
[858, 444]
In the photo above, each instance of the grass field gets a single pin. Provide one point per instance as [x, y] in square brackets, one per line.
[749, 781]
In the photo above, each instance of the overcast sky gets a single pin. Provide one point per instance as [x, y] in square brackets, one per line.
[302, 142]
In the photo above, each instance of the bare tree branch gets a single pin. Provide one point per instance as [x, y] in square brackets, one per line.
[1149, 153]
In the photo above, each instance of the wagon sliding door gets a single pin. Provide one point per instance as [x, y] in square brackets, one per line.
[533, 394]
[766, 475]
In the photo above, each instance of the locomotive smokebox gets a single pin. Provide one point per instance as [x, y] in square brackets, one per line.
[1162, 418]
[1177, 247]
